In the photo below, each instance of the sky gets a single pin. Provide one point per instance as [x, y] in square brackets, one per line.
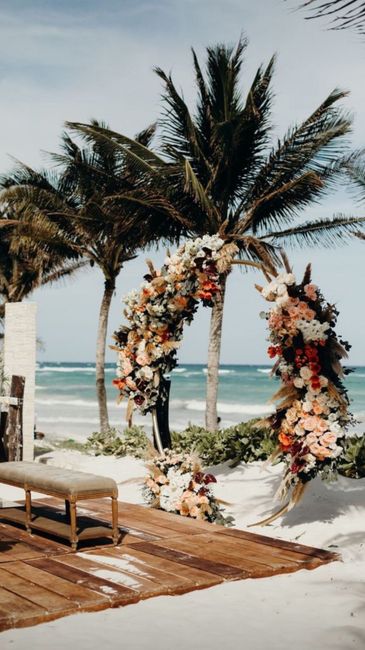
[81, 59]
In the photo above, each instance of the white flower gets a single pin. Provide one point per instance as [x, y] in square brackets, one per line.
[307, 406]
[285, 278]
[281, 290]
[298, 382]
[334, 427]
[305, 372]
[170, 497]
[312, 330]
[178, 479]
[282, 300]
[145, 372]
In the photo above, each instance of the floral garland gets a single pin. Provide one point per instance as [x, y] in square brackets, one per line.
[156, 315]
[176, 483]
[311, 419]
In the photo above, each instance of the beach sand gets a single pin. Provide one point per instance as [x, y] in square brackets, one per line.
[322, 609]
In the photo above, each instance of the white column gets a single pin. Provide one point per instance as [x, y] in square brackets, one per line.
[20, 359]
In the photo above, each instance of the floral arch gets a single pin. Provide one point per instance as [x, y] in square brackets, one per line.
[312, 416]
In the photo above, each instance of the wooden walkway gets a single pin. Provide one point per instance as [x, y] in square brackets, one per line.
[42, 579]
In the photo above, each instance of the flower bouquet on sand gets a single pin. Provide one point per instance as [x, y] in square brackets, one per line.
[176, 483]
[311, 419]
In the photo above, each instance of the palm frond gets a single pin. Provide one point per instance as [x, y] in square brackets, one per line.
[180, 138]
[116, 141]
[342, 14]
[326, 232]
[195, 188]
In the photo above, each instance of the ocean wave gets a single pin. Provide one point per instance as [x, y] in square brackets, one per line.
[73, 369]
[178, 370]
[226, 407]
[70, 420]
[221, 371]
[55, 401]
[264, 370]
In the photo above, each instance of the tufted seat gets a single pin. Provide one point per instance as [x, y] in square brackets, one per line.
[37, 476]
[67, 484]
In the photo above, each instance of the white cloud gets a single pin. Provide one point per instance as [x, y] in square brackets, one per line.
[81, 60]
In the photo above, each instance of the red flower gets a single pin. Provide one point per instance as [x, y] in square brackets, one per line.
[315, 367]
[315, 381]
[139, 399]
[209, 478]
[295, 468]
[311, 353]
[198, 477]
[273, 350]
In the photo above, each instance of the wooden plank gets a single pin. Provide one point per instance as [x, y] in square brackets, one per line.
[141, 569]
[243, 555]
[249, 567]
[116, 594]
[325, 556]
[141, 515]
[17, 610]
[136, 519]
[87, 528]
[170, 519]
[96, 565]
[34, 593]
[80, 596]
[11, 550]
[128, 533]
[194, 577]
[191, 559]
[247, 545]
[47, 546]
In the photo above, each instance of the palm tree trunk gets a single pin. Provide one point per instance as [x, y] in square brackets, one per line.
[109, 287]
[214, 350]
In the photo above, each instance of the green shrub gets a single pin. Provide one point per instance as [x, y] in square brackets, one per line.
[352, 463]
[132, 441]
[244, 442]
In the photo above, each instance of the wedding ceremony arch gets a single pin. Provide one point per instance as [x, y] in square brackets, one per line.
[311, 414]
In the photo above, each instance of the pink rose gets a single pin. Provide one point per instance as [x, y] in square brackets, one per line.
[127, 367]
[143, 359]
[310, 291]
[328, 439]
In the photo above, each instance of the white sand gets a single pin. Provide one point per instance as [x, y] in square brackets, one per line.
[322, 609]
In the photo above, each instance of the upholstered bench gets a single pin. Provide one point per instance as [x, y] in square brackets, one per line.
[65, 484]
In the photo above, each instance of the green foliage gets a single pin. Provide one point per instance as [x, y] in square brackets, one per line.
[132, 441]
[352, 464]
[72, 445]
[244, 442]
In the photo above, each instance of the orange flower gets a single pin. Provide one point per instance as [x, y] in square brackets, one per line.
[119, 383]
[285, 440]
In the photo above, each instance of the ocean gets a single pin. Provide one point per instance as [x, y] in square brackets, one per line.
[66, 403]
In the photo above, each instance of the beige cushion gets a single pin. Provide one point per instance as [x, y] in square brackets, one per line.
[46, 479]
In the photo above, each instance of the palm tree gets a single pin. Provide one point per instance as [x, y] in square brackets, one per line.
[217, 172]
[343, 14]
[81, 202]
[25, 266]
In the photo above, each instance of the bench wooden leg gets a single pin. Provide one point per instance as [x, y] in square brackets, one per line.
[67, 511]
[115, 520]
[28, 511]
[73, 524]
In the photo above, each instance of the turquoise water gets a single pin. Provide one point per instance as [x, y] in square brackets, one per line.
[66, 403]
